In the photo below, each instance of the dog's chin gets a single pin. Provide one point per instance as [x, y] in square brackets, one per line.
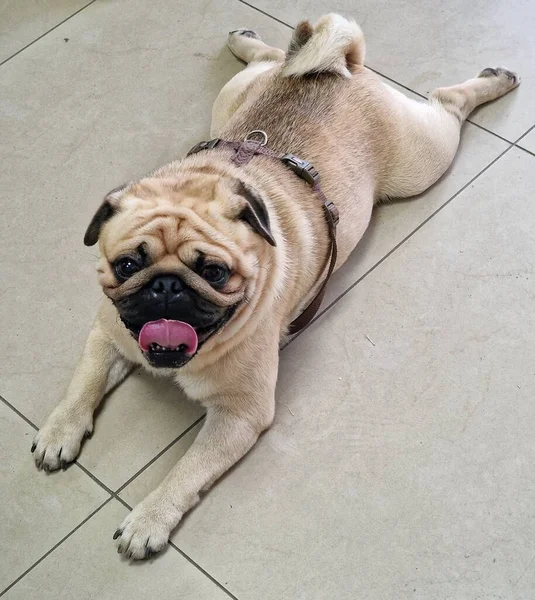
[164, 358]
[167, 359]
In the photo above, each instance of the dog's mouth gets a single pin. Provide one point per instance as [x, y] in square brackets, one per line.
[168, 343]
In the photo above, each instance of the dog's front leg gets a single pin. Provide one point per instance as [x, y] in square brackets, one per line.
[223, 440]
[101, 367]
[241, 406]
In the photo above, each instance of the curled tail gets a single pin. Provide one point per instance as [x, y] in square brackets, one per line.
[333, 45]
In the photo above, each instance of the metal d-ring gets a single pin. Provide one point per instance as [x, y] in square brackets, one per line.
[247, 138]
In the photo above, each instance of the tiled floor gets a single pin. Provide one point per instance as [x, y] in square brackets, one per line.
[401, 462]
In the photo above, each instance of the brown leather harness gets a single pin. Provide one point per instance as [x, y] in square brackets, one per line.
[244, 151]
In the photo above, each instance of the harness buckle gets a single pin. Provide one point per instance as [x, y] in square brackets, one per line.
[204, 146]
[302, 168]
[333, 211]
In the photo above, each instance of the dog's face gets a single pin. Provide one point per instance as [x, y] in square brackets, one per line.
[180, 258]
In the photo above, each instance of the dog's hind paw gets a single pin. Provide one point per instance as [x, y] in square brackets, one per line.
[241, 42]
[249, 33]
[507, 78]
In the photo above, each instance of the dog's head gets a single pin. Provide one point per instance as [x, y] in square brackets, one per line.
[180, 258]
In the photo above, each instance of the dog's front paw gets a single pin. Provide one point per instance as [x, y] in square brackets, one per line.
[146, 530]
[58, 442]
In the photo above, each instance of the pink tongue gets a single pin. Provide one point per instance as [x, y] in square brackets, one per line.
[169, 334]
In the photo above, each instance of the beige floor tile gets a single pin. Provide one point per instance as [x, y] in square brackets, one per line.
[23, 21]
[424, 44]
[528, 142]
[131, 90]
[87, 567]
[37, 510]
[151, 478]
[404, 469]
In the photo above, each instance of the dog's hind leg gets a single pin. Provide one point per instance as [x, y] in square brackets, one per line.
[462, 99]
[247, 46]
[426, 134]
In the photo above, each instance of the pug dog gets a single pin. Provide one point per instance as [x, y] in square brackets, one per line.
[206, 262]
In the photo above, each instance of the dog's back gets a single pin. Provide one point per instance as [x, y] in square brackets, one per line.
[321, 103]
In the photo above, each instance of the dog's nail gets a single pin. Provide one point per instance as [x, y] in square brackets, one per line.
[34, 446]
[88, 434]
[117, 534]
[64, 464]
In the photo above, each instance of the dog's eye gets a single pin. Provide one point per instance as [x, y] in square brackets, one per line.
[126, 267]
[215, 274]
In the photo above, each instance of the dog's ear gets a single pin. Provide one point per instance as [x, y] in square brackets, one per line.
[106, 211]
[254, 212]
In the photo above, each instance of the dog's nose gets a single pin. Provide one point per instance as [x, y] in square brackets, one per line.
[167, 284]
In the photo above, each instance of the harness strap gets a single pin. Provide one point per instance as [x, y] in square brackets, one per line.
[244, 152]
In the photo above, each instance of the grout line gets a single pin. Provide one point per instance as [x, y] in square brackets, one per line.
[525, 150]
[401, 85]
[523, 136]
[489, 131]
[94, 478]
[123, 502]
[212, 579]
[15, 410]
[56, 546]
[407, 237]
[46, 33]
[186, 431]
[266, 14]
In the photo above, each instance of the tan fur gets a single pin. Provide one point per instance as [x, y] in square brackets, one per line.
[368, 142]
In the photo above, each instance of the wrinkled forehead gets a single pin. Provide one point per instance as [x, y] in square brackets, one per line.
[181, 220]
